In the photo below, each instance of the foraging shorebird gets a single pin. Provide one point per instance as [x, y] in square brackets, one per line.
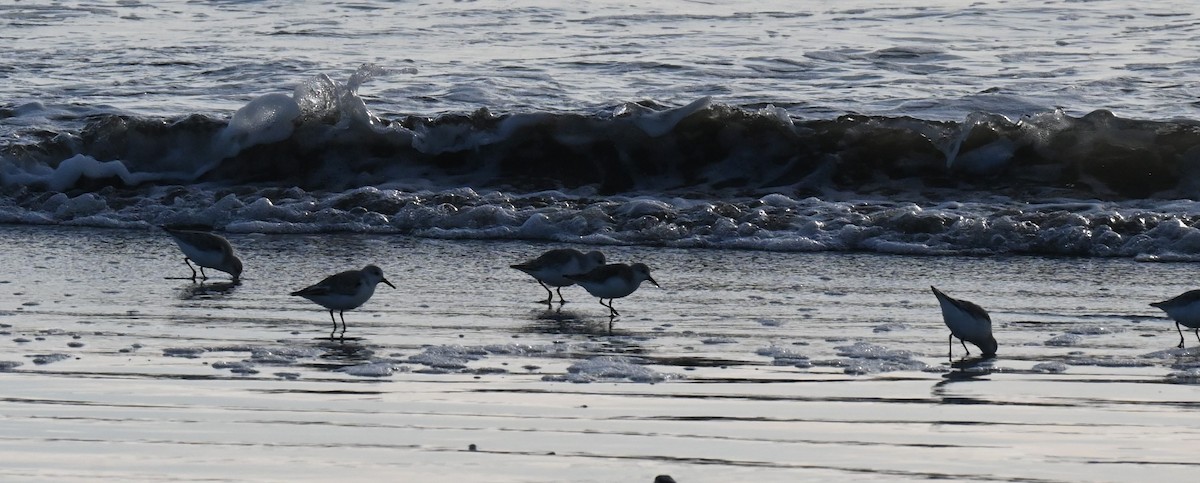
[344, 291]
[968, 322]
[613, 281]
[207, 250]
[1184, 309]
[551, 268]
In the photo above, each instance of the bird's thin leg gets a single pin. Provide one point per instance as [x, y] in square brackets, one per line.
[612, 311]
[549, 294]
[189, 264]
[964, 343]
[331, 319]
[950, 354]
[560, 299]
[1180, 335]
[1197, 331]
[342, 314]
[202, 275]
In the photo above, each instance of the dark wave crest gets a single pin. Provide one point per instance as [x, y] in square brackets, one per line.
[324, 137]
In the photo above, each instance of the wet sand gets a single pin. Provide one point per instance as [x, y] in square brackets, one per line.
[745, 366]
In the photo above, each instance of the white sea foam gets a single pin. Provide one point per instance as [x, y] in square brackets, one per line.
[283, 355]
[236, 367]
[1173, 353]
[610, 368]
[865, 358]
[373, 369]
[1050, 367]
[42, 359]
[785, 357]
[1096, 330]
[1189, 376]
[448, 357]
[1110, 361]
[1064, 340]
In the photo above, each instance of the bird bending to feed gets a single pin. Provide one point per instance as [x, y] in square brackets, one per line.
[1184, 309]
[344, 291]
[551, 268]
[968, 322]
[207, 250]
[613, 281]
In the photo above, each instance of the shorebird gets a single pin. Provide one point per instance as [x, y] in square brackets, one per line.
[968, 322]
[612, 281]
[551, 268]
[344, 291]
[207, 250]
[1184, 309]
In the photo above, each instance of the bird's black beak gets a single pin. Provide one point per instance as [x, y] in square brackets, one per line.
[387, 282]
[651, 280]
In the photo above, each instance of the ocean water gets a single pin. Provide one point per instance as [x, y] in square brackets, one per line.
[1053, 128]
[797, 174]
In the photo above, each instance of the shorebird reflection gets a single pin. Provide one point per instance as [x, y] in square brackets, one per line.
[205, 290]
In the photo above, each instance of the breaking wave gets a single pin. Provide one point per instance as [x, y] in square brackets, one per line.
[701, 175]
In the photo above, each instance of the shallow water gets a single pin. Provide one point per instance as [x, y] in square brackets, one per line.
[926, 59]
[745, 365]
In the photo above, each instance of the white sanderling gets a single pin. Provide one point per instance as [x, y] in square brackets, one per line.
[207, 250]
[1184, 309]
[344, 291]
[968, 322]
[614, 280]
[551, 268]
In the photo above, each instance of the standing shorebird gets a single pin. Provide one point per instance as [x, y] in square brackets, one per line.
[344, 291]
[968, 322]
[1184, 309]
[551, 268]
[613, 281]
[207, 250]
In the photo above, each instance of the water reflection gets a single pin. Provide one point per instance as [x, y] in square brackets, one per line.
[965, 370]
[555, 320]
[338, 354]
[206, 290]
